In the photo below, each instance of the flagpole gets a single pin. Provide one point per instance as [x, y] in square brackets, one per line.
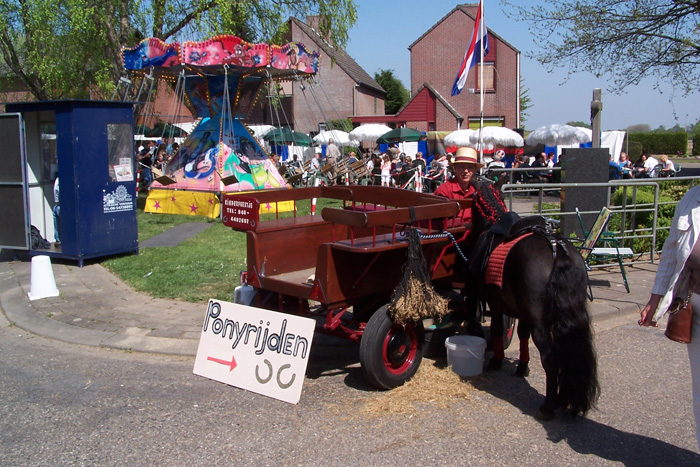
[481, 80]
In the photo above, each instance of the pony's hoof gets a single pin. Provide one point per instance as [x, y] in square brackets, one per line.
[494, 365]
[544, 414]
[522, 371]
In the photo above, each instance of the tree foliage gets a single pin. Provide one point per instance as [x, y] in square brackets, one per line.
[525, 103]
[396, 93]
[70, 48]
[626, 40]
[579, 123]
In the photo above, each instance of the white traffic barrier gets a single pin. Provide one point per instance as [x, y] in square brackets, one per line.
[43, 282]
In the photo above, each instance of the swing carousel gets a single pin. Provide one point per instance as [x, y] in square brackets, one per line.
[219, 80]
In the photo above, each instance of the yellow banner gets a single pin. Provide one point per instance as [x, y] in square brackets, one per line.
[189, 203]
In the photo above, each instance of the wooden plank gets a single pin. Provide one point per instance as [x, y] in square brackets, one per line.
[388, 217]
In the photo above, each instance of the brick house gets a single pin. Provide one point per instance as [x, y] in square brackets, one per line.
[435, 59]
[340, 89]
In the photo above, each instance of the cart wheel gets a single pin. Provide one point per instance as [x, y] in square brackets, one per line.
[509, 324]
[390, 354]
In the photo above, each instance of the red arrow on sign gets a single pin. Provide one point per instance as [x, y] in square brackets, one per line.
[232, 364]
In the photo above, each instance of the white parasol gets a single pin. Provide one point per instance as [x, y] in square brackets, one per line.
[556, 134]
[341, 138]
[459, 138]
[369, 132]
[496, 136]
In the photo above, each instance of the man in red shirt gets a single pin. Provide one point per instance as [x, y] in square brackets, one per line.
[465, 164]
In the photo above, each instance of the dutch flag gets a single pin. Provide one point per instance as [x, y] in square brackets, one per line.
[473, 54]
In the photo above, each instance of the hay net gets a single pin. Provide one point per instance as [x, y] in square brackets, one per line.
[415, 298]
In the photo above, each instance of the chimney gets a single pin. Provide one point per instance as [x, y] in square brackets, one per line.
[314, 22]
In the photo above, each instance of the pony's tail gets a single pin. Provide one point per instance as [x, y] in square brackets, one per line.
[572, 335]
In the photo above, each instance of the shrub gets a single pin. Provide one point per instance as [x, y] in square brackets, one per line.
[661, 143]
[669, 192]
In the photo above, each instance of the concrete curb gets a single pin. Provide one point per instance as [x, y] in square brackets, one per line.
[97, 309]
[18, 310]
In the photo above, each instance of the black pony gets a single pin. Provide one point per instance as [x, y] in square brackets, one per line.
[544, 287]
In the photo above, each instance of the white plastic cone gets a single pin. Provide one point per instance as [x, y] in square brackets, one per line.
[43, 281]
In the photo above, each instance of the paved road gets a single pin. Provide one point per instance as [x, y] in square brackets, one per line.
[69, 404]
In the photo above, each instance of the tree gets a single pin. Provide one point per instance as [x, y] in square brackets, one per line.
[68, 48]
[525, 103]
[639, 128]
[580, 124]
[396, 93]
[626, 40]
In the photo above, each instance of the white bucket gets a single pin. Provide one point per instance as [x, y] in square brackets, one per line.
[243, 294]
[465, 354]
[43, 282]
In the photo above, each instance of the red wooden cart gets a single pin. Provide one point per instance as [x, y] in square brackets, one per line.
[344, 264]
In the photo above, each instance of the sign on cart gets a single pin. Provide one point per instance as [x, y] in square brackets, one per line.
[255, 349]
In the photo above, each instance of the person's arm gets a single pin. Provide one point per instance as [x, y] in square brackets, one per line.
[647, 318]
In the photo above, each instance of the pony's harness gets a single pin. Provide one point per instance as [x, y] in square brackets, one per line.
[495, 244]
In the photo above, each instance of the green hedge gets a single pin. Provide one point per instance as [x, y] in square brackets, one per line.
[668, 191]
[661, 143]
[696, 144]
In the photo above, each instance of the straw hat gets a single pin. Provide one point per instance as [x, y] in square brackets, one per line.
[466, 156]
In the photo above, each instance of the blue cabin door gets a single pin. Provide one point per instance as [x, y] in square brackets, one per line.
[15, 227]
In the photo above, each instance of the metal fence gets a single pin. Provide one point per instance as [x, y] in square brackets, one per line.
[544, 199]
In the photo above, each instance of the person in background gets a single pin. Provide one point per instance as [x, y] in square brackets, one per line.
[56, 210]
[550, 160]
[521, 162]
[496, 163]
[386, 170]
[370, 163]
[677, 276]
[649, 166]
[315, 162]
[625, 165]
[160, 158]
[419, 162]
[667, 167]
[624, 161]
[145, 163]
[638, 167]
[614, 170]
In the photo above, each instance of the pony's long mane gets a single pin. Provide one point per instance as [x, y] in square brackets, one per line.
[487, 205]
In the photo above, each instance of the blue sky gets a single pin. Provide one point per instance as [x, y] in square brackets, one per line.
[386, 28]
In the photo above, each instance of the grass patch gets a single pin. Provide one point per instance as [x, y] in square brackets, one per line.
[203, 267]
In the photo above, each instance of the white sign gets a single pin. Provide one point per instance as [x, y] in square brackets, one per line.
[255, 349]
[118, 200]
[123, 173]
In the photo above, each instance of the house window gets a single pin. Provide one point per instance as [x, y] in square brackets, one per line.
[475, 122]
[489, 77]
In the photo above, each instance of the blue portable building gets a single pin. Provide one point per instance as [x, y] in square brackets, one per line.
[89, 146]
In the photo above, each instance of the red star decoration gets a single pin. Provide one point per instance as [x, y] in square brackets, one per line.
[211, 200]
[172, 199]
[193, 208]
[268, 206]
[156, 206]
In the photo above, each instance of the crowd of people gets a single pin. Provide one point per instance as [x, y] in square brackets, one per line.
[394, 168]
[151, 157]
[646, 166]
